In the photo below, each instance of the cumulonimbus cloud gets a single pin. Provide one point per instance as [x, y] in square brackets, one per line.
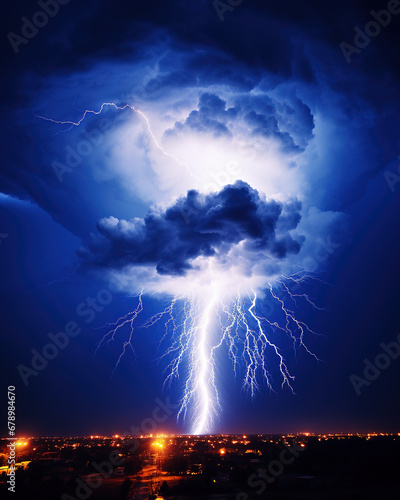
[197, 226]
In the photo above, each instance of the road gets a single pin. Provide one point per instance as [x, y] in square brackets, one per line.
[142, 488]
[150, 479]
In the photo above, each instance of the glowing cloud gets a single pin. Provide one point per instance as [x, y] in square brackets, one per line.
[220, 175]
[215, 254]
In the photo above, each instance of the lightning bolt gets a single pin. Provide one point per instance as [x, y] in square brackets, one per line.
[201, 385]
[197, 326]
[128, 319]
[87, 112]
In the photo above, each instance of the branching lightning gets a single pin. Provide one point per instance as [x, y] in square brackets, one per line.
[87, 112]
[204, 323]
[128, 319]
[199, 326]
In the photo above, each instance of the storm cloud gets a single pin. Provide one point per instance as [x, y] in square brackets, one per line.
[212, 116]
[198, 226]
[215, 118]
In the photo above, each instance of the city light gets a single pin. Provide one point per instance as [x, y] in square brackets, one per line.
[158, 445]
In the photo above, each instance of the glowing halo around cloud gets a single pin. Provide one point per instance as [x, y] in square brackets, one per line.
[218, 146]
[215, 255]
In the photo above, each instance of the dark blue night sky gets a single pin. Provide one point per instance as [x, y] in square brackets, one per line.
[248, 141]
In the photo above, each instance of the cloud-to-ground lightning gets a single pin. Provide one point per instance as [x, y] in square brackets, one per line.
[209, 318]
[198, 325]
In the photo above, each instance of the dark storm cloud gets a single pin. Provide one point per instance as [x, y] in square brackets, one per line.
[170, 241]
[267, 126]
[288, 119]
[200, 67]
[273, 36]
[295, 43]
[212, 116]
[296, 116]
